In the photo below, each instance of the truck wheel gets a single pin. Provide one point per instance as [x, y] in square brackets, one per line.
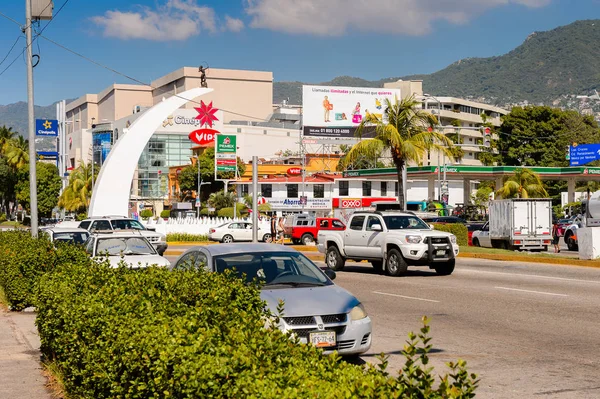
[446, 268]
[476, 242]
[571, 244]
[396, 265]
[307, 239]
[295, 241]
[334, 259]
[377, 265]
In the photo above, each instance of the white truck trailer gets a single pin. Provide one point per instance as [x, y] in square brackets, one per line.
[521, 223]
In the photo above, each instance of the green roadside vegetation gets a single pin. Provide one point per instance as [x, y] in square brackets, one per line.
[184, 237]
[119, 332]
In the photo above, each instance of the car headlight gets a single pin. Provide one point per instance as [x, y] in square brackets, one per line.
[413, 239]
[453, 239]
[358, 312]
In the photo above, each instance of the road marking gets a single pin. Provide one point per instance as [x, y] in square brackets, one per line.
[531, 292]
[406, 297]
[529, 275]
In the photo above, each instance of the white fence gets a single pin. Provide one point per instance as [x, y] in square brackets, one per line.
[195, 225]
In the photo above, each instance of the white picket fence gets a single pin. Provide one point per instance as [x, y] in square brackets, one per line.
[194, 225]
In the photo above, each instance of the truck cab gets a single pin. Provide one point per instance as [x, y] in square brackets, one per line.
[303, 229]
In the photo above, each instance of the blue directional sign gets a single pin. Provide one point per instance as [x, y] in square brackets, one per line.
[582, 154]
[46, 127]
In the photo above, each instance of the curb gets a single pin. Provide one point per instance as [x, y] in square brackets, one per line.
[537, 259]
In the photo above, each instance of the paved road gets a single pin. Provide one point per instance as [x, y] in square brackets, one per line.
[528, 330]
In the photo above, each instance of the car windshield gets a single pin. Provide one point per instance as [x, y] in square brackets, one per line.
[127, 224]
[398, 222]
[117, 246]
[275, 269]
[74, 237]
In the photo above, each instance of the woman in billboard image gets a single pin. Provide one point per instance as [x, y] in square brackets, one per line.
[327, 106]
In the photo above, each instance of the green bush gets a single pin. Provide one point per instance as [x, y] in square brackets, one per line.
[175, 237]
[458, 229]
[23, 260]
[165, 214]
[194, 334]
[3, 218]
[146, 213]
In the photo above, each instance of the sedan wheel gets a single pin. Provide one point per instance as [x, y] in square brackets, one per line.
[227, 239]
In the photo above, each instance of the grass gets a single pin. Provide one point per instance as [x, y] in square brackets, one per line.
[3, 300]
[479, 250]
[184, 237]
[11, 224]
[54, 380]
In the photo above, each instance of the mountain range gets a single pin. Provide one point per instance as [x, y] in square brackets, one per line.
[549, 68]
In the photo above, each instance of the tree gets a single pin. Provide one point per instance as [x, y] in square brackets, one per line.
[540, 136]
[220, 200]
[6, 134]
[16, 152]
[362, 162]
[8, 182]
[262, 208]
[78, 193]
[405, 131]
[523, 184]
[48, 187]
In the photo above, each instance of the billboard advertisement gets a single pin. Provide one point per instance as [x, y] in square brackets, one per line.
[332, 111]
[102, 143]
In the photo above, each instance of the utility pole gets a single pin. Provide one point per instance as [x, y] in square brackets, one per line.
[198, 192]
[31, 125]
[254, 198]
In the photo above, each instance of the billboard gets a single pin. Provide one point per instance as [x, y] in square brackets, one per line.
[102, 144]
[46, 127]
[582, 154]
[335, 111]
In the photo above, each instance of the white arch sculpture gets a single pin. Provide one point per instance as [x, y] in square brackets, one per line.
[113, 186]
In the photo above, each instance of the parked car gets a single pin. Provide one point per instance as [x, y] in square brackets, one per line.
[304, 229]
[391, 241]
[563, 224]
[481, 238]
[316, 310]
[238, 231]
[471, 228]
[129, 246]
[108, 223]
[570, 234]
[64, 234]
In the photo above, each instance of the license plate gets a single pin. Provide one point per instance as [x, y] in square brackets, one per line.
[440, 252]
[322, 339]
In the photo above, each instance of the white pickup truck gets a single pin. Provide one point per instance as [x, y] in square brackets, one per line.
[391, 241]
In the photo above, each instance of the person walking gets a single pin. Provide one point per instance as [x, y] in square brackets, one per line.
[555, 236]
[273, 228]
[280, 235]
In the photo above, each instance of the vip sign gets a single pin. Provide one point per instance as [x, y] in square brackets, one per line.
[203, 136]
[351, 203]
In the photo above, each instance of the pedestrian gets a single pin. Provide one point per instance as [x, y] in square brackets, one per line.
[555, 236]
[280, 232]
[273, 228]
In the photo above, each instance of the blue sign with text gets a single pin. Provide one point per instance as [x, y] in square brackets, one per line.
[46, 127]
[583, 154]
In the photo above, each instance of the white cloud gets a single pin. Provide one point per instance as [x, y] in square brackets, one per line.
[175, 20]
[233, 24]
[335, 17]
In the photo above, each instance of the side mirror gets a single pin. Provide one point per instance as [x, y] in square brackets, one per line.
[330, 273]
[376, 227]
[431, 226]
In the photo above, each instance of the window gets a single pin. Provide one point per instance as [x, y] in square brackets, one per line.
[266, 190]
[366, 186]
[357, 222]
[101, 225]
[318, 190]
[384, 189]
[244, 189]
[337, 224]
[372, 220]
[85, 224]
[239, 129]
[344, 184]
[396, 189]
[292, 191]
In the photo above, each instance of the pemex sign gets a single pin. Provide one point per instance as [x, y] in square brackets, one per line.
[225, 153]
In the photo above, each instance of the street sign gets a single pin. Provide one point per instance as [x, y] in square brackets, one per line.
[581, 154]
[46, 127]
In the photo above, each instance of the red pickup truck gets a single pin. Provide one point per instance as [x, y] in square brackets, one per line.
[304, 229]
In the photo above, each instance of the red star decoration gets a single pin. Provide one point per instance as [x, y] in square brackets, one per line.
[206, 113]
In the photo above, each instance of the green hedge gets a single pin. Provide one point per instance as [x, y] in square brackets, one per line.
[23, 260]
[165, 214]
[194, 334]
[458, 229]
[176, 237]
[146, 213]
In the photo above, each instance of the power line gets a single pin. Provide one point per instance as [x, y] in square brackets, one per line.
[10, 19]
[53, 17]
[11, 49]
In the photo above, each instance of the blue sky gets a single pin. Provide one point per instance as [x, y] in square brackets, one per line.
[306, 40]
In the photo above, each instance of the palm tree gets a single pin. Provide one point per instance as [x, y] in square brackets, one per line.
[78, 193]
[220, 200]
[524, 183]
[16, 151]
[405, 131]
[6, 134]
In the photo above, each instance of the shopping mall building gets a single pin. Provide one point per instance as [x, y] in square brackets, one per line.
[245, 103]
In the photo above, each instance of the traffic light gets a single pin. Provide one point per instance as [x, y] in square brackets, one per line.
[487, 136]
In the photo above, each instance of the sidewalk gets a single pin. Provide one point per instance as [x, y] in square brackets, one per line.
[20, 369]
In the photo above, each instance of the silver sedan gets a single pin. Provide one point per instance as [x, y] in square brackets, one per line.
[316, 310]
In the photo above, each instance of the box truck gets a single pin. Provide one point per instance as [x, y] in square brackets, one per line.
[521, 223]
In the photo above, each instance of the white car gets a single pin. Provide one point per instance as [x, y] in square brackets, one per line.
[73, 235]
[481, 238]
[237, 231]
[131, 247]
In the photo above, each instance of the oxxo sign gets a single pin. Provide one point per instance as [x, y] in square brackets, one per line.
[294, 171]
[351, 203]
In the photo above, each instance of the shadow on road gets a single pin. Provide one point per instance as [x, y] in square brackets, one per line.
[370, 270]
